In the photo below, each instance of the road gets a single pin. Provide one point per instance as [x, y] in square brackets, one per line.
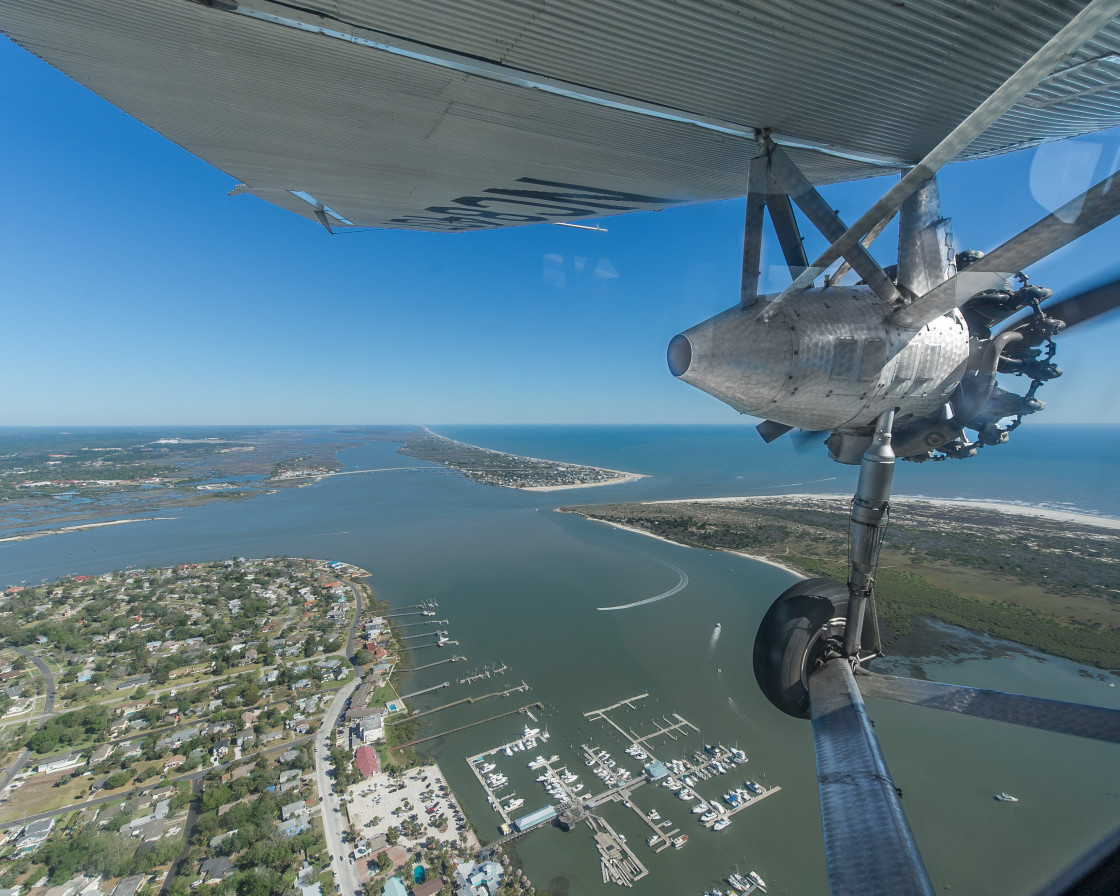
[48, 709]
[344, 871]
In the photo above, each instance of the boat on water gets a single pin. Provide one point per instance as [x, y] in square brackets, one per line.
[700, 810]
[739, 882]
[514, 804]
[721, 824]
[1006, 797]
[708, 817]
[508, 749]
[489, 767]
[651, 839]
[576, 788]
[654, 815]
[680, 841]
[753, 877]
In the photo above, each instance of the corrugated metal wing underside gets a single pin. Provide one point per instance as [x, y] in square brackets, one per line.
[389, 140]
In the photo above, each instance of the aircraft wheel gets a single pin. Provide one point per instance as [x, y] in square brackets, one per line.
[793, 638]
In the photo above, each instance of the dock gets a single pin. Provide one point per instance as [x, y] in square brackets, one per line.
[425, 622]
[617, 860]
[434, 687]
[478, 699]
[450, 659]
[485, 673]
[437, 644]
[522, 709]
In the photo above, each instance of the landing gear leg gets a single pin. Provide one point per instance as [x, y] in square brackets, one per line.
[870, 508]
[819, 620]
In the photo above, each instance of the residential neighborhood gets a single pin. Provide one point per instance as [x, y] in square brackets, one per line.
[159, 734]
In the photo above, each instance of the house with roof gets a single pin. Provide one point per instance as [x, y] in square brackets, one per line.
[478, 879]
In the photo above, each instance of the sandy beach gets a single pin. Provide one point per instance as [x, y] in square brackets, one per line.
[756, 557]
[81, 526]
[622, 477]
[1013, 509]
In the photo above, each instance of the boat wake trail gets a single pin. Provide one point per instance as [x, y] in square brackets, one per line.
[680, 586]
[715, 640]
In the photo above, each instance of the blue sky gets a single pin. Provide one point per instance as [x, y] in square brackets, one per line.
[136, 292]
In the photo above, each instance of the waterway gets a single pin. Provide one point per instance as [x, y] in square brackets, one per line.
[522, 584]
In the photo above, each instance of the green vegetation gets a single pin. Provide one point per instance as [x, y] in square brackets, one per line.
[997, 563]
[73, 729]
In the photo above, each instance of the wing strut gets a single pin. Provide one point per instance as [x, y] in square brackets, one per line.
[1079, 29]
[785, 182]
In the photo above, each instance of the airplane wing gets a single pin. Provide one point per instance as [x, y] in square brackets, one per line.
[457, 115]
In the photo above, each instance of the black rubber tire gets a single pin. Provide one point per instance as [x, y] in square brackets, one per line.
[792, 637]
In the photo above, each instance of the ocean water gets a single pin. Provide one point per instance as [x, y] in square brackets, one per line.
[522, 585]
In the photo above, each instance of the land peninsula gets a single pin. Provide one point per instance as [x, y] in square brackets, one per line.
[1047, 580]
[509, 470]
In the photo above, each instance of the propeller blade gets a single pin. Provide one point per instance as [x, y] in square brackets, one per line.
[1078, 719]
[1098, 204]
[1084, 306]
[770, 430]
[868, 844]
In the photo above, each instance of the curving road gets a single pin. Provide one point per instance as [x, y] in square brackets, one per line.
[48, 709]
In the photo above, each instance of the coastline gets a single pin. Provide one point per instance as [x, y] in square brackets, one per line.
[621, 478]
[758, 558]
[79, 527]
[1010, 508]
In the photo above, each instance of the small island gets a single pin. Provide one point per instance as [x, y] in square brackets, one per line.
[509, 470]
[1044, 579]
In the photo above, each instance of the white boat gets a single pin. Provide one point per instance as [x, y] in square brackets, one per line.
[708, 817]
[1006, 798]
[653, 815]
[701, 809]
[680, 841]
[508, 750]
[537, 763]
[576, 788]
[739, 882]
[651, 839]
[489, 767]
[514, 804]
[756, 880]
[686, 795]
[721, 824]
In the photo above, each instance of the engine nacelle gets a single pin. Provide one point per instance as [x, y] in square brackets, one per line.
[826, 360]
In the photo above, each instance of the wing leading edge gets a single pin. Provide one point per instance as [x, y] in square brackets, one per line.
[458, 116]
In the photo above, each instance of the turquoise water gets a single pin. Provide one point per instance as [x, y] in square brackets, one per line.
[521, 584]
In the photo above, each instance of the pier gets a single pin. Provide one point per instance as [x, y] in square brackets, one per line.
[617, 860]
[450, 659]
[425, 622]
[434, 687]
[427, 712]
[437, 644]
[485, 673]
[421, 635]
[523, 709]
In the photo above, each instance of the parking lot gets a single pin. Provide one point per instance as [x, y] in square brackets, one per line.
[420, 795]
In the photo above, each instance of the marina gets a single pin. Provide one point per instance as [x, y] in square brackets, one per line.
[571, 806]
